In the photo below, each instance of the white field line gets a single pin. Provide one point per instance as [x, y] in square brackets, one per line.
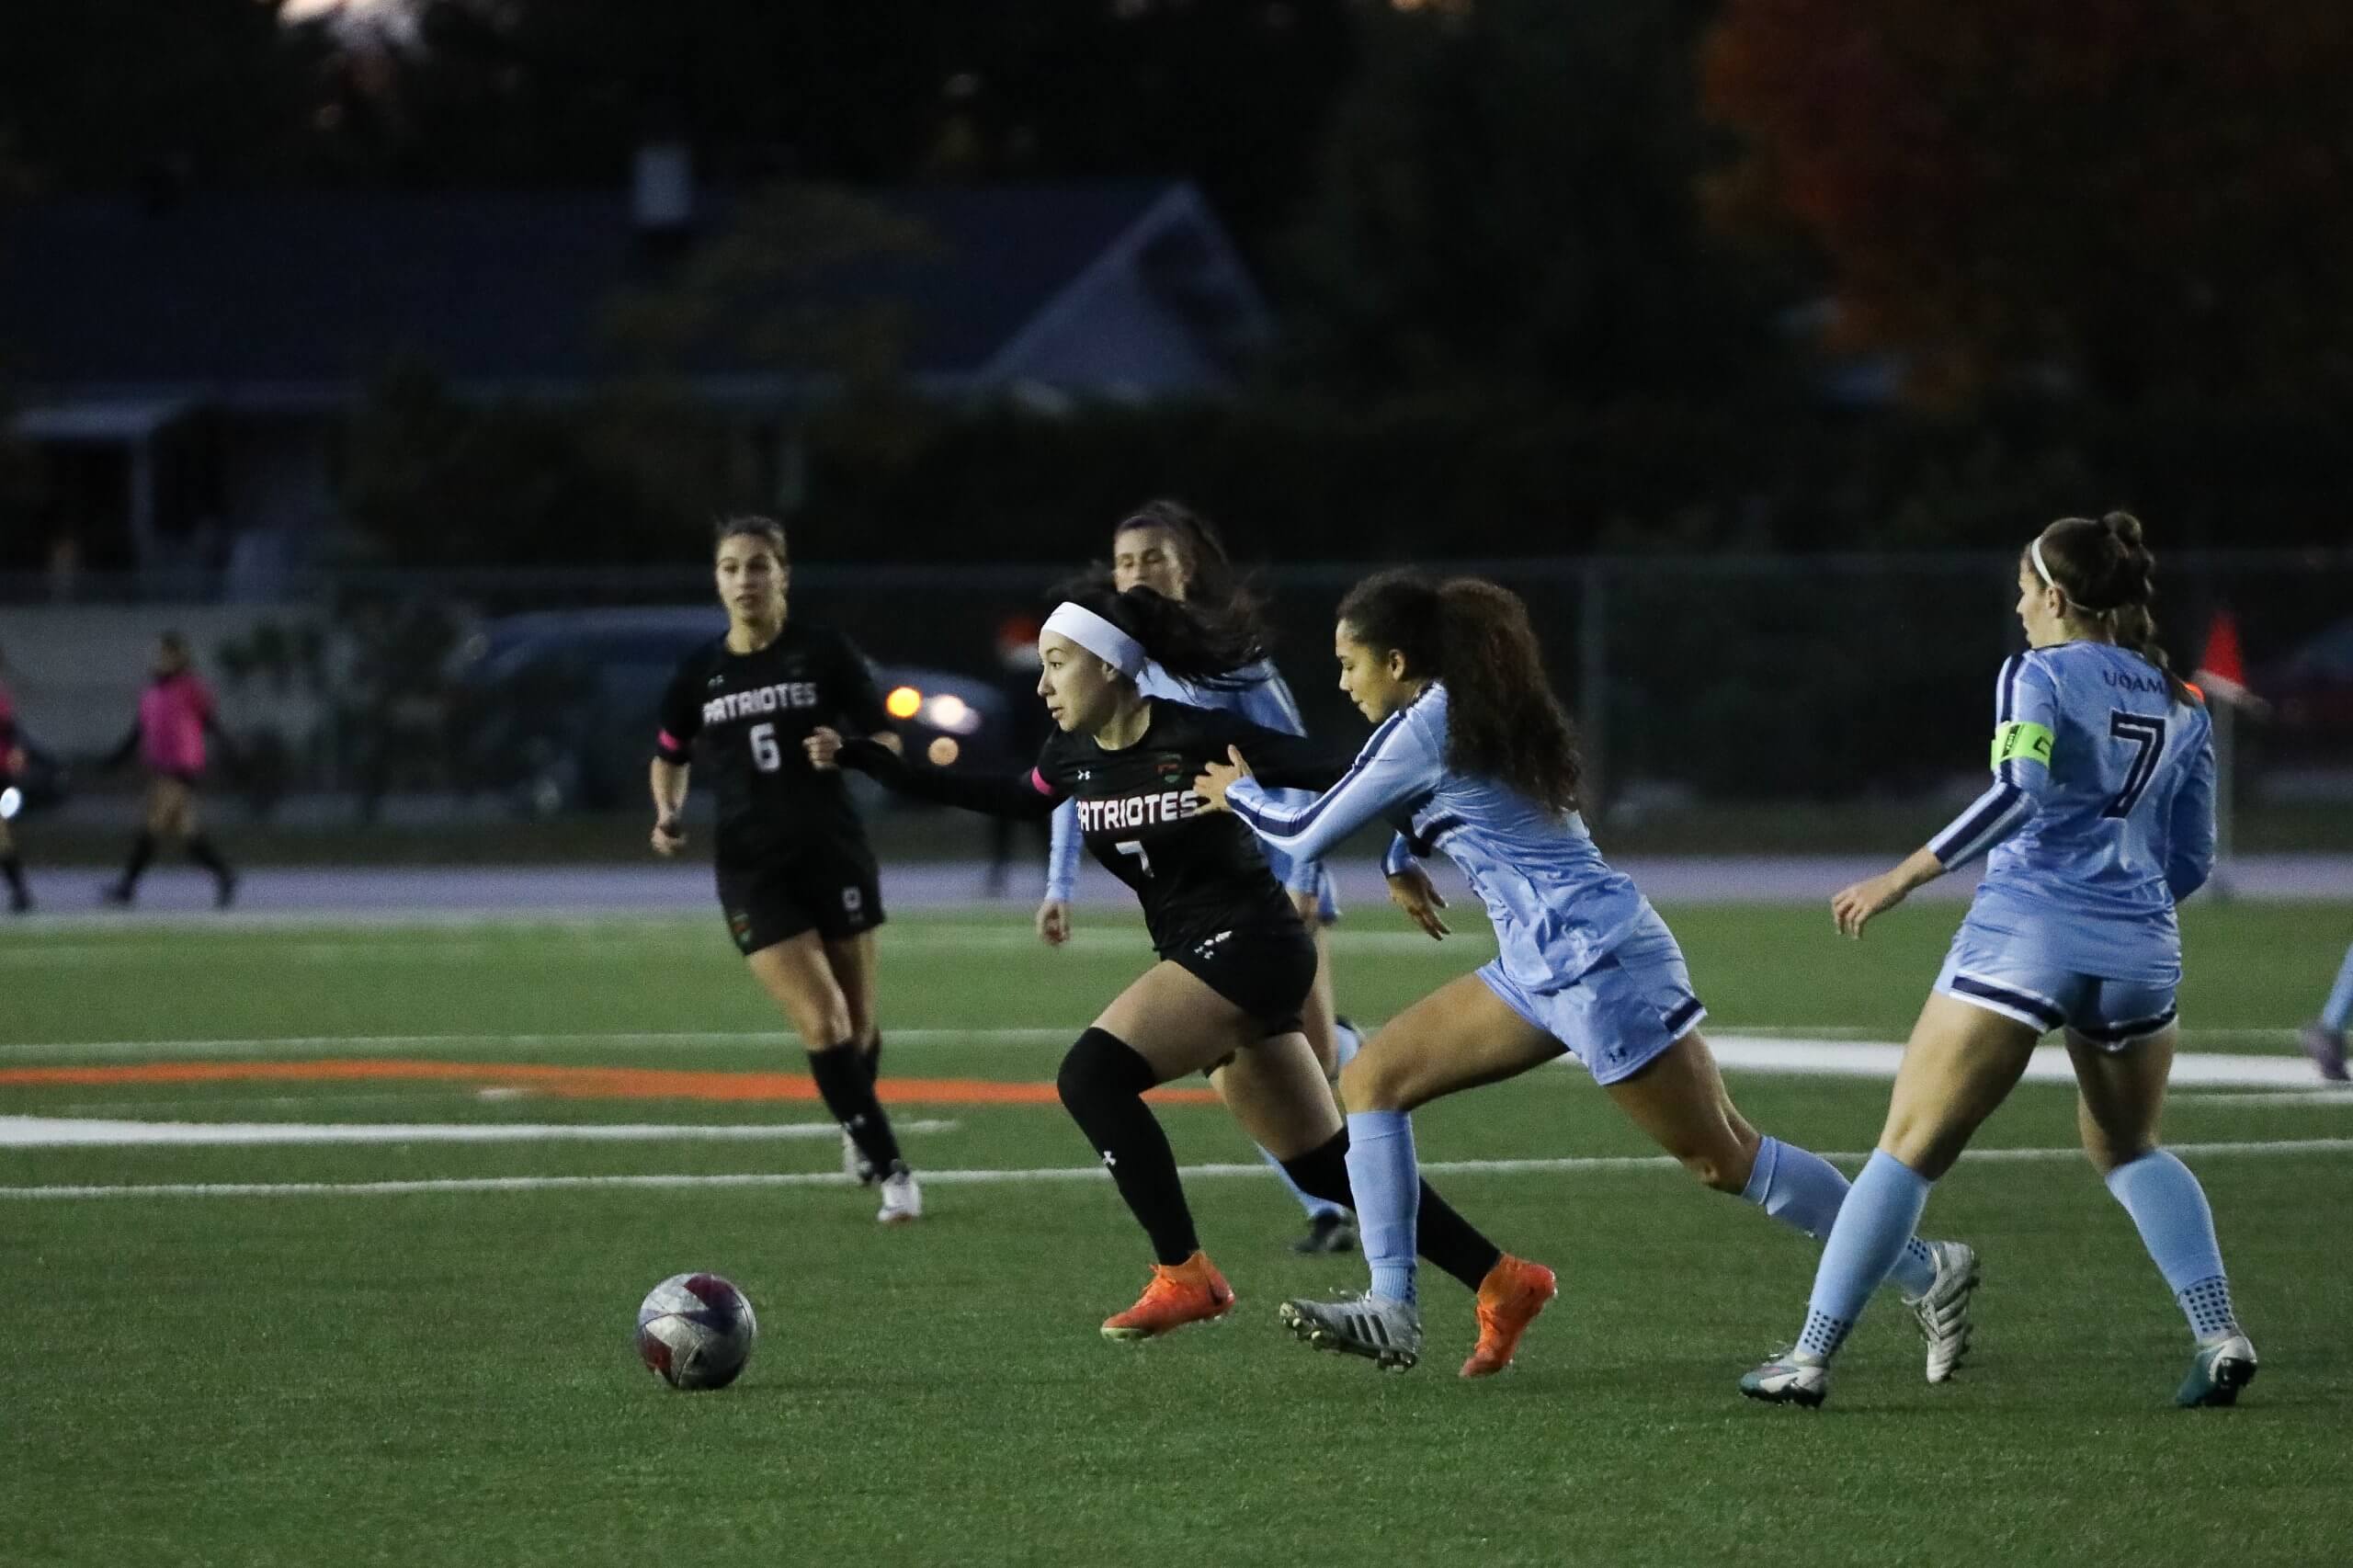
[2318, 1093]
[1044, 1173]
[1869, 1059]
[65, 1133]
[186, 1103]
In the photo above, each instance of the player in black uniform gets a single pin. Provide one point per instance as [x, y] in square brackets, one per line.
[796, 878]
[1235, 962]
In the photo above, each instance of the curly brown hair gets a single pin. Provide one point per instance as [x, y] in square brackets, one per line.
[1504, 721]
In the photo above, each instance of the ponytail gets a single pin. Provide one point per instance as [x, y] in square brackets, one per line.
[1191, 641]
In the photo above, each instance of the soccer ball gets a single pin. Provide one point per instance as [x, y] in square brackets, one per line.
[695, 1331]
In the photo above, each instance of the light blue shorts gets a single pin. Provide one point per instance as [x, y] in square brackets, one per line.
[1305, 876]
[1619, 1014]
[2007, 968]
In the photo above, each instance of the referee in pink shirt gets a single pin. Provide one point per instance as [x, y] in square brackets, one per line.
[176, 714]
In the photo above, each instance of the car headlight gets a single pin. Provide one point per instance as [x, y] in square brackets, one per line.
[946, 710]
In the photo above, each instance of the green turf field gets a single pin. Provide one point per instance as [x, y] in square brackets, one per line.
[443, 1374]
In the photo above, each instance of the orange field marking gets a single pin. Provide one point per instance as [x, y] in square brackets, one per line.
[579, 1083]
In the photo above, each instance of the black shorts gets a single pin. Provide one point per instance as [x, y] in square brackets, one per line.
[835, 890]
[1266, 970]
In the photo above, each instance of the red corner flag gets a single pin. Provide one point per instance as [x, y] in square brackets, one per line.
[2221, 669]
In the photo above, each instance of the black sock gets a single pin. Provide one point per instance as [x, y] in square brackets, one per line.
[1441, 1235]
[873, 1054]
[1452, 1241]
[12, 866]
[849, 1093]
[200, 850]
[1102, 1083]
[142, 849]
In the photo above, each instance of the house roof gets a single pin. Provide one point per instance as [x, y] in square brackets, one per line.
[279, 299]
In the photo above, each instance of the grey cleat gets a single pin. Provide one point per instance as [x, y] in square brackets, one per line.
[1386, 1332]
[2222, 1366]
[1794, 1377]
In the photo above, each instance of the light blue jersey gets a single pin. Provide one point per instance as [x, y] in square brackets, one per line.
[1257, 694]
[1558, 907]
[1583, 957]
[2099, 818]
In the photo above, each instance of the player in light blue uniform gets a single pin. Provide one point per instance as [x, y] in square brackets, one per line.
[2099, 820]
[2324, 1037]
[1172, 550]
[1474, 758]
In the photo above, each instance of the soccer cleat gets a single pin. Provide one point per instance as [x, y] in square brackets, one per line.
[1942, 1311]
[901, 1199]
[1384, 1331]
[119, 895]
[2222, 1366]
[1331, 1231]
[224, 890]
[1190, 1291]
[855, 1165]
[1794, 1377]
[20, 903]
[2325, 1046]
[1511, 1295]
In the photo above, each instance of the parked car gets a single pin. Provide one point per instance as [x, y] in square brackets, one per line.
[558, 707]
[2311, 694]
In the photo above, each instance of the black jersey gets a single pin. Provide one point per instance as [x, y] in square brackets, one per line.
[1196, 872]
[751, 711]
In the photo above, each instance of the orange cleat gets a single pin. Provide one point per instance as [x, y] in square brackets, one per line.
[1511, 1295]
[1192, 1292]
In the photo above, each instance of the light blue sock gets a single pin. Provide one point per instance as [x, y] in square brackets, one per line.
[1316, 1207]
[1881, 1213]
[2177, 1228]
[1386, 1181]
[1346, 1042]
[1804, 1191]
[2339, 1010]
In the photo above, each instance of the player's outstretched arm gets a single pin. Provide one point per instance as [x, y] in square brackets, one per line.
[1027, 796]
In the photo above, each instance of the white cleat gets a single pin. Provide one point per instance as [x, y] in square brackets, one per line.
[854, 1164]
[1794, 1377]
[1942, 1311]
[2222, 1366]
[901, 1199]
[1386, 1332]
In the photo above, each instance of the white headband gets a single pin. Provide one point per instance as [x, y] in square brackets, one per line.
[1098, 636]
[2034, 552]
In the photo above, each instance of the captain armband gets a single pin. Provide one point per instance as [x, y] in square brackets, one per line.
[2020, 741]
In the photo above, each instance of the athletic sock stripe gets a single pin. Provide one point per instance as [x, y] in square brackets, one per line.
[2035, 1007]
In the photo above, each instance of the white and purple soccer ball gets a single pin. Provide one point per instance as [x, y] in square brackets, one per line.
[695, 1331]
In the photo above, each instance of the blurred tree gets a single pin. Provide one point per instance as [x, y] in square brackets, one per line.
[1507, 197]
[2141, 196]
[434, 482]
[1230, 92]
[104, 93]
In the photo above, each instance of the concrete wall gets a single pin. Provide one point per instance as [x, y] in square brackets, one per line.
[76, 670]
